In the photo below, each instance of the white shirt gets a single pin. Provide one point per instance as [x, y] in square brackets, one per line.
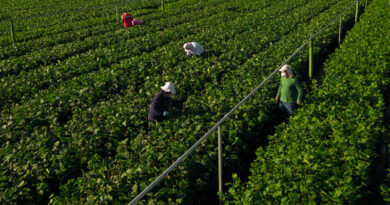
[196, 49]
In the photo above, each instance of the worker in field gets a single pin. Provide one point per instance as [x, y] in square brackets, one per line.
[193, 48]
[162, 102]
[290, 92]
[128, 20]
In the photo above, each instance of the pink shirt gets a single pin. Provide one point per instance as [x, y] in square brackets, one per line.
[127, 20]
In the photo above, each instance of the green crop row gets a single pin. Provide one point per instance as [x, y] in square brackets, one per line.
[71, 30]
[25, 8]
[41, 188]
[64, 21]
[35, 27]
[83, 139]
[324, 153]
[68, 32]
[156, 151]
[49, 58]
[82, 81]
[103, 38]
[68, 166]
[28, 84]
[13, 9]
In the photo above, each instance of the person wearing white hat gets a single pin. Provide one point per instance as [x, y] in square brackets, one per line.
[193, 48]
[161, 103]
[290, 91]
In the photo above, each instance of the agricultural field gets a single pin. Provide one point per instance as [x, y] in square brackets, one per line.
[325, 153]
[76, 88]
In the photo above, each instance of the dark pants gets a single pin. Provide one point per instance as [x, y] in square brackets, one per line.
[286, 109]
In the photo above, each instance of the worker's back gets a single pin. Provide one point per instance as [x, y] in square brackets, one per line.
[127, 20]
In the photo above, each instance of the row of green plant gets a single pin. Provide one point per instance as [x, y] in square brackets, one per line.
[241, 71]
[158, 151]
[105, 78]
[325, 152]
[71, 30]
[41, 20]
[53, 55]
[34, 8]
[60, 106]
[67, 32]
[40, 25]
[28, 84]
[28, 7]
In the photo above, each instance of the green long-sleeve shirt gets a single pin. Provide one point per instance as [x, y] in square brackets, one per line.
[290, 90]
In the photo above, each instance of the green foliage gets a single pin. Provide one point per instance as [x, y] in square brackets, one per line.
[75, 98]
[324, 153]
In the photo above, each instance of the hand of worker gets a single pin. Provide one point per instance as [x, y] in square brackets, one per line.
[165, 113]
[298, 102]
[277, 99]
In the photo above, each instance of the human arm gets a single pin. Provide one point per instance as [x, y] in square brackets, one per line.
[156, 109]
[188, 52]
[300, 92]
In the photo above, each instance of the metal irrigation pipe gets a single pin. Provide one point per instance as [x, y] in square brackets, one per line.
[193, 147]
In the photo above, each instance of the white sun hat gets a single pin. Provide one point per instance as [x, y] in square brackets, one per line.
[169, 87]
[287, 68]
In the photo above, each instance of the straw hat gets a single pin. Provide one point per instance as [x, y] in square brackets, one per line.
[169, 87]
[287, 68]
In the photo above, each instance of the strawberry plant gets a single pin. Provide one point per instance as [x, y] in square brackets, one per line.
[324, 153]
[78, 114]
